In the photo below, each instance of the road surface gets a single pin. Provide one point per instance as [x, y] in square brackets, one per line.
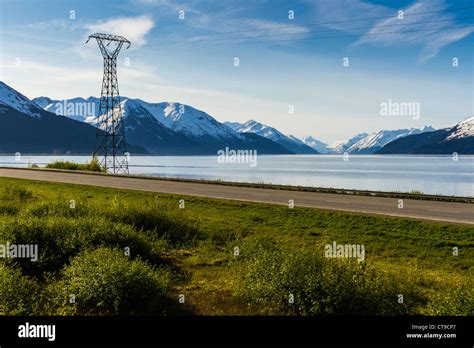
[418, 209]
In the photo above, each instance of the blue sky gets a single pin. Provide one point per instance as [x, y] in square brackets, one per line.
[191, 59]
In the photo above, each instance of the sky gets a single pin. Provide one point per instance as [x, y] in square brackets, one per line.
[322, 68]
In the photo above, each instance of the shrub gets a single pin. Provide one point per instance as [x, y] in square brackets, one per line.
[16, 192]
[161, 220]
[8, 209]
[18, 294]
[60, 238]
[92, 166]
[105, 282]
[319, 285]
[58, 208]
[50, 237]
[457, 300]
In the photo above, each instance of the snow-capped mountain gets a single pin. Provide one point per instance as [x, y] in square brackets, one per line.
[164, 128]
[172, 128]
[291, 143]
[318, 145]
[375, 141]
[27, 128]
[341, 146]
[458, 138]
[187, 120]
[42, 102]
[177, 117]
[462, 129]
[17, 101]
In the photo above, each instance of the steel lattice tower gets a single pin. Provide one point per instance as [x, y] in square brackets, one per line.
[110, 138]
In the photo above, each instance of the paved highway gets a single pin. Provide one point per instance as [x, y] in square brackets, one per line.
[417, 209]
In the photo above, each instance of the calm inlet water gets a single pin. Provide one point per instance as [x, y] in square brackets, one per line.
[428, 174]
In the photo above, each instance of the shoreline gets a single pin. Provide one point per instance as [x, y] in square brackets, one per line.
[336, 191]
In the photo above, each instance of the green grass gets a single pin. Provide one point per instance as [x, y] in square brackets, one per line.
[163, 252]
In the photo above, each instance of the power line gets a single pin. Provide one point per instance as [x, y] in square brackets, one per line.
[338, 22]
[328, 30]
[212, 35]
[345, 36]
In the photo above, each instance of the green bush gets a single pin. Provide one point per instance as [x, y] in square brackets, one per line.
[60, 238]
[92, 166]
[457, 300]
[319, 285]
[8, 209]
[58, 208]
[105, 282]
[161, 220]
[18, 294]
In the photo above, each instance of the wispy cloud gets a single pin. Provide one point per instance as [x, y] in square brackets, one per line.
[431, 31]
[434, 31]
[132, 28]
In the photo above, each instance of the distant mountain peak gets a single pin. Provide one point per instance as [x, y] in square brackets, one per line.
[341, 146]
[289, 142]
[376, 140]
[316, 144]
[462, 129]
[455, 139]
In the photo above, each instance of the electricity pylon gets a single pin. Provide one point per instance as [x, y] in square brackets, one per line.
[110, 137]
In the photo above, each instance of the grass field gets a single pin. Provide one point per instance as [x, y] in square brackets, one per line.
[107, 251]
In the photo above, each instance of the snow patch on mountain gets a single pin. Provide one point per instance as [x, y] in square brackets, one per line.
[316, 144]
[185, 119]
[289, 142]
[341, 146]
[374, 141]
[463, 129]
[17, 101]
[252, 126]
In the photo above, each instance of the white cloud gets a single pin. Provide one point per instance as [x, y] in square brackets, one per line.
[434, 31]
[132, 28]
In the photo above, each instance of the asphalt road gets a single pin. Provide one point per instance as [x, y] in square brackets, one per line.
[418, 209]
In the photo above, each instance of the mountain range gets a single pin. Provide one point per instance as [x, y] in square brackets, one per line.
[45, 125]
[458, 138]
[289, 142]
[166, 128]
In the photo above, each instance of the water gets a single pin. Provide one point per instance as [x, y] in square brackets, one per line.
[428, 174]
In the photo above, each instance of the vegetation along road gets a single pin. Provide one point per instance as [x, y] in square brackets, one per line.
[411, 208]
